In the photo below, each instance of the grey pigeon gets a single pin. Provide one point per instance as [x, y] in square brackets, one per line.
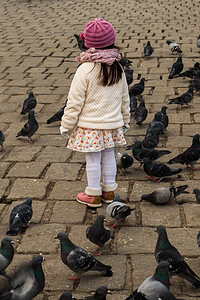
[79, 260]
[140, 113]
[124, 161]
[20, 216]
[148, 50]
[152, 140]
[29, 104]
[165, 251]
[190, 156]
[138, 88]
[164, 116]
[198, 41]
[27, 282]
[58, 115]
[160, 170]
[129, 75]
[66, 296]
[198, 239]
[124, 61]
[6, 254]
[2, 139]
[98, 234]
[140, 152]
[196, 82]
[154, 287]
[174, 47]
[118, 211]
[164, 195]
[177, 68]
[30, 127]
[80, 42]
[156, 124]
[184, 99]
[191, 72]
[100, 294]
[197, 194]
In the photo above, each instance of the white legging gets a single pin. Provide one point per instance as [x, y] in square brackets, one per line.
[93, 168]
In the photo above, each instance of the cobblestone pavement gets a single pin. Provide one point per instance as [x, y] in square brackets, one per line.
[38, 53]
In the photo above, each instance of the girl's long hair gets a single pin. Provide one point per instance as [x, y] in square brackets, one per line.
[110, 75]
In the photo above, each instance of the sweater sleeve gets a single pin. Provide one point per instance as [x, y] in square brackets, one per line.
[76, 99]
[125, 101]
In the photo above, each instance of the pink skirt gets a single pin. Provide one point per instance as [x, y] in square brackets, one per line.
[94, 140]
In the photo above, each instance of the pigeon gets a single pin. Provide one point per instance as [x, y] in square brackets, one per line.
[140, 113]
[164, 195]
[160, 170]
[148, 50]
[154, 287]
[79, 260]
[118, 211]
[166, 251]
[198, 239]
[81, 43]
[198, 41]
[29, 104]
[184, 99]
[6, 254]
[27, 282]
[138, 88]
[129, 75]
[100, 294]
[197, 194]
[66, 296]
[20, 216]
[156, 124]
[97, 233]
[177, 68]
[191, 72]
[190, 156]
[133, 102]
[174, 47]
[164, 117]
[2, 139]
[152, 140]
[58, 115]
[140, 152]
[124, 161]
[124, 61]
[30, 127]
[196, 82]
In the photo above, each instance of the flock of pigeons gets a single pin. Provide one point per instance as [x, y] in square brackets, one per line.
[29, 279]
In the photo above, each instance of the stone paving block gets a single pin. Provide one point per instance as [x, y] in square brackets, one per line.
[167, 215]
[63, 171]
[28, 169]
[22, 153]
[66, 190]
[90, 280]
[50, 140]
[62, 281]
[38, 210]
[54, 154]
[4, 183]
[2, 206]
[4, 168]
[192, 213]
[23, 188]
[69, 212]
[40, 239]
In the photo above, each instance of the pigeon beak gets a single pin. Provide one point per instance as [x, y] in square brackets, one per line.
[12, 243]
[56, 238]
[105, 220]
[109, 292]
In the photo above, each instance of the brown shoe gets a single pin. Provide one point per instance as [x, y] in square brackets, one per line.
[108, 197]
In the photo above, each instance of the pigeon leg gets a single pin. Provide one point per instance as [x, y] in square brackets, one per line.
[159, 180]
[121, 173]
[2, 149]
[138, 168]
[114, 225]
[125, 220]
[30, 141]
[98, 253]
[74, 278]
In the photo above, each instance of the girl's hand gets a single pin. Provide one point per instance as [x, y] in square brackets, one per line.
[64, 132]
[125, 128]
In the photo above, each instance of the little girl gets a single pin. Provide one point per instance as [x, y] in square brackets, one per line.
[97, 109]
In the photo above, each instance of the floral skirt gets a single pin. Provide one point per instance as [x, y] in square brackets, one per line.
[94, 140]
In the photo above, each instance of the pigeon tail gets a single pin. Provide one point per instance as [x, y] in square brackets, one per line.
[181, 190]
[105, 270]
[13, 231]
[6, 296]
[190, 276]
[53, 119]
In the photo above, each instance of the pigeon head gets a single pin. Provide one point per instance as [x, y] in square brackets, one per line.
[102, 291]
[66, 296]
[137, 144]
[179, 58]
[163, 110]
[142, 103]
[195, 140]
[196, 191]
[7, 242]
[160, 229]
[161, 273]
[148, 43]
[142, 81]
[29, 201]
[197, 65]
[146, 161]
[101, 218]
[61, 236]
[36, 261]
[31, 94]
[168, 42]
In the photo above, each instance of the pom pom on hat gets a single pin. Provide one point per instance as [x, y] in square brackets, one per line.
[98, 34]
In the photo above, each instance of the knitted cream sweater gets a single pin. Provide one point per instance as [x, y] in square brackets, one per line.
[91, 105]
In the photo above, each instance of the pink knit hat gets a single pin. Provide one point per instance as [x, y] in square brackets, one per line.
[98, 34]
